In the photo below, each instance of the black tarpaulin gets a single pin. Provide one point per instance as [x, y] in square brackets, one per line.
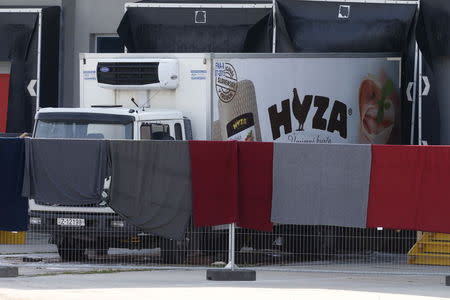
[209, 1]
[65, 172]
[434, 106]
[49, 92]
[13, 207]
[433, 37]
[16, 32]
[151, 185]
[20, 39]
[317, 26]
[180, 30]
[433, 29]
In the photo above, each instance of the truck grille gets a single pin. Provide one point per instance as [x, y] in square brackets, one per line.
[119, 73]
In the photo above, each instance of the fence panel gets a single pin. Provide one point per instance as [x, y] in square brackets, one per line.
[287, 248]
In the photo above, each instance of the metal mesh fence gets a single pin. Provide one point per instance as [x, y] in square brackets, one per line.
[106, 239]
[288, 247]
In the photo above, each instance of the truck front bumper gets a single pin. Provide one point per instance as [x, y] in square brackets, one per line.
[84, 224]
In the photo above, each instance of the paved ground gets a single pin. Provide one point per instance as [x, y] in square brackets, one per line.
[173, 284]
[43, 276]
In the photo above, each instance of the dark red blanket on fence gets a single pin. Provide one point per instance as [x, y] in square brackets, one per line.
[214, 167]
[232, 183]
[410, 188]
[255, 185]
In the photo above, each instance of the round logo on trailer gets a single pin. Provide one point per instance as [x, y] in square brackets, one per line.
[104, 69]
[226, 81]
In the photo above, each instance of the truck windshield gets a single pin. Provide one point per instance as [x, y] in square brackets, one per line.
[82, 130]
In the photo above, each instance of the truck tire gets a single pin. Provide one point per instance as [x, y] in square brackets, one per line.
[71, 250]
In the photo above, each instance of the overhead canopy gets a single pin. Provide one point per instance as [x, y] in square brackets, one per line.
[19, 36]
[196, 29]
[317, 26]
[16, 30]
[433, 37]
[433, 29]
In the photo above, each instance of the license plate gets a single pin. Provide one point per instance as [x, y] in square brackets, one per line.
[70, 222]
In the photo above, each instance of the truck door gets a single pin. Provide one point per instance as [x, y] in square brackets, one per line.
[167, 130]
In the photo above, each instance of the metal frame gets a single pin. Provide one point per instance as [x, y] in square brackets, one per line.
[419, 113]
[417, 80]
[369, 1]
[413, 112]
[391, 55]
[213, 5]
[274, 21]
[198, 5]
[136, 56]
[419, 89]
[38, 69]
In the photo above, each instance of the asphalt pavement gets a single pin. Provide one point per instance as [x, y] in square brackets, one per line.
[183, 284]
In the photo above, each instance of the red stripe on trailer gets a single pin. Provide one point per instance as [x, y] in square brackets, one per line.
[4, 93]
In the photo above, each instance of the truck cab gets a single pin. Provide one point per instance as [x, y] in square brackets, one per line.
[77, 228]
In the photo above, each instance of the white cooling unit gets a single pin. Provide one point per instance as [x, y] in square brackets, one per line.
[142, 75]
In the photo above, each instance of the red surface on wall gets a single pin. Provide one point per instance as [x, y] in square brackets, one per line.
[410, 188]
[4, 89]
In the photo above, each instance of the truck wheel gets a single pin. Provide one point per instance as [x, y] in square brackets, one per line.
[71, 250]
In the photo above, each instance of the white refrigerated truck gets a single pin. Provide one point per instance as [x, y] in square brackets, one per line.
[294, 98]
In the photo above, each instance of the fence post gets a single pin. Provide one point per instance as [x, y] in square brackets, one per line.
[231, 247]
[231, 272]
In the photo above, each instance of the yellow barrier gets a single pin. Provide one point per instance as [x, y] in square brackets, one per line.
[431, 249]
[12, 237]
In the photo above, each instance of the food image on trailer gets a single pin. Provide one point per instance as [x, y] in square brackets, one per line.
[323, 99]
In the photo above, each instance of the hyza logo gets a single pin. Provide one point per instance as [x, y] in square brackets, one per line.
[300, 109]
[226, 81]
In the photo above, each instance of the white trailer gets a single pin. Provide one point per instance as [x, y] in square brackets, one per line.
[328, 94]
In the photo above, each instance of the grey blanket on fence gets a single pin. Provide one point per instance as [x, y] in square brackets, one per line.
[65, 172]
[321, 184]
[151, 185]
